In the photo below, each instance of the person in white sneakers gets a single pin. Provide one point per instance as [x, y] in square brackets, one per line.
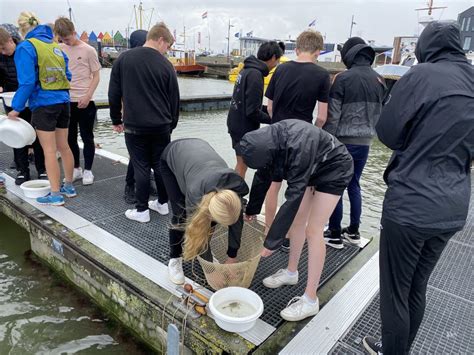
[84, 66]
[317, 168]
[200, 185]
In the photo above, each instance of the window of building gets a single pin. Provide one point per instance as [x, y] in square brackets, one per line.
[467, 43]
[468, 24]
[463, 23]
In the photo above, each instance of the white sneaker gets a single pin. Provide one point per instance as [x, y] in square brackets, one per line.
[77, 174]
[280, 278]
[299, 308]
[175, 271]
[87, 177]
[158, 207]
[134, 215]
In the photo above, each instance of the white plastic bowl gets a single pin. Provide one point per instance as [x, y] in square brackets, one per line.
[35, 188]
[16, 133]
[235, 294]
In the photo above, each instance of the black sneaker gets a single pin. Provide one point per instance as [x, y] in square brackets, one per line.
[352, 236]
[373, 345]
[42, 176]
[129, 194]
[333, 239]
[285, 246]
[21, 178]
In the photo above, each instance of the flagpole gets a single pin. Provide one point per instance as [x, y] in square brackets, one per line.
[352, 25]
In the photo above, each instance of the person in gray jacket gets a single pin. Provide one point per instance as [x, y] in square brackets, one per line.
[355, 103]
[200, 185]
[429, 124]
[317, 168]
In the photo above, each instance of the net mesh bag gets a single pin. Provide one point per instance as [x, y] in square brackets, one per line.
[220, 275]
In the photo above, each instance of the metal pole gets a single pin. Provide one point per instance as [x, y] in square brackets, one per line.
[352, 25]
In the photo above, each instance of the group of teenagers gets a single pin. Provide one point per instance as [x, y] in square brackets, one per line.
[427, 119]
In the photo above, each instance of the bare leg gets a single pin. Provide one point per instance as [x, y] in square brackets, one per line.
[241, 167]
[66, 154]
[48, 143]
[322, 206]
[297, 232]
[271, 204]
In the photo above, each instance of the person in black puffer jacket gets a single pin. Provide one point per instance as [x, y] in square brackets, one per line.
[9, 39]
[245, 113]
[355, 103]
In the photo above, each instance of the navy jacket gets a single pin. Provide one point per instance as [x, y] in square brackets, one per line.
[429, 124]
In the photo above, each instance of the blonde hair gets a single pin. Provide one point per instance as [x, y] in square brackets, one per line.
[63, 27]
[224, 207]
[27, 21]
[160, 30]
[309, 41]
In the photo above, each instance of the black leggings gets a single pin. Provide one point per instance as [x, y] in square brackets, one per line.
[84, 118]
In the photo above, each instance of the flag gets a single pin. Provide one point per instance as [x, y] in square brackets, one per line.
[250, 34]
[237, 35]
[199, 37]
[312, 23]
[204, 15]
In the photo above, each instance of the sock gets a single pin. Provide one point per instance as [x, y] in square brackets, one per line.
[309, 300]
[290, 273]
[68, 184]
[55, 193]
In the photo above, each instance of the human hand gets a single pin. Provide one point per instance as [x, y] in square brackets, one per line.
[249, 218]
[13, 115]
[266, 252]
[1, 89]
[84, 101]
[118, 128]
[230, 261]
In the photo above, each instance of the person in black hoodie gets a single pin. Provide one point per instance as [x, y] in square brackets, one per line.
[245, 113]
[355, 103]
[143, 82]
[317, 168]
[200, 185]
[428, 122]
[9, 39]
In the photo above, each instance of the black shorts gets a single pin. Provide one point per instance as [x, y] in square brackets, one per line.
[334, 177]
[236, 145]
[48, 118]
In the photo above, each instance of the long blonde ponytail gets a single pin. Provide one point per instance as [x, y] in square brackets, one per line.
[27, 21]
[224, 207]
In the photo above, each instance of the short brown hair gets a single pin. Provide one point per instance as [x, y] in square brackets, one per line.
[309, 41]
[160, 30]
[4, 36]
[63, 27]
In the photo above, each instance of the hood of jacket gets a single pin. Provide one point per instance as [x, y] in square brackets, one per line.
[41, 32]
[259, 148]
[439, 41]
[359, 55]
[254, 63]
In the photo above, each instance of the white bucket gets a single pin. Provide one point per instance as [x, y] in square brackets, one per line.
[7, 98]
[235, 309]
[16, 133]
[35, 188]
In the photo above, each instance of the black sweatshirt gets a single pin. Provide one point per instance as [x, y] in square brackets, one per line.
[146, 83]
[245, 113]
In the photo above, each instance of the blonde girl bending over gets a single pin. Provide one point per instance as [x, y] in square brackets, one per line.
[201, 185]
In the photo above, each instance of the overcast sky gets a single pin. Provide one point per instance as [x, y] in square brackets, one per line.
[378, 20]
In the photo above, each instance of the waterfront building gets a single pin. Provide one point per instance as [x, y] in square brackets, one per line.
[466, 24]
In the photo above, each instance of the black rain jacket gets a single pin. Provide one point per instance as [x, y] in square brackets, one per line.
[355, 99]
[245, 113]
[292, 150]
[429, 123]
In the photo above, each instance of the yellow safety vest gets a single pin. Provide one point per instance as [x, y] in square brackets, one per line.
[51, 65]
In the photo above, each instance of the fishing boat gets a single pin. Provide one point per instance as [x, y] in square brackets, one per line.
[184, 62]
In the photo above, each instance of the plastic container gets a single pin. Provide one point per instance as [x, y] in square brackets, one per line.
[35, 188]
[7, 98]
[226, 304]
[16, 133]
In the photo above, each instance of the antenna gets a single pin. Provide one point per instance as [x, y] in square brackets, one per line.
[430, 7]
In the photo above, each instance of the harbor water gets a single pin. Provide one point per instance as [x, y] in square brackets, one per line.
[39, 314]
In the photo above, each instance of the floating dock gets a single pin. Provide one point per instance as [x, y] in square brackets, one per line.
[121, 265]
